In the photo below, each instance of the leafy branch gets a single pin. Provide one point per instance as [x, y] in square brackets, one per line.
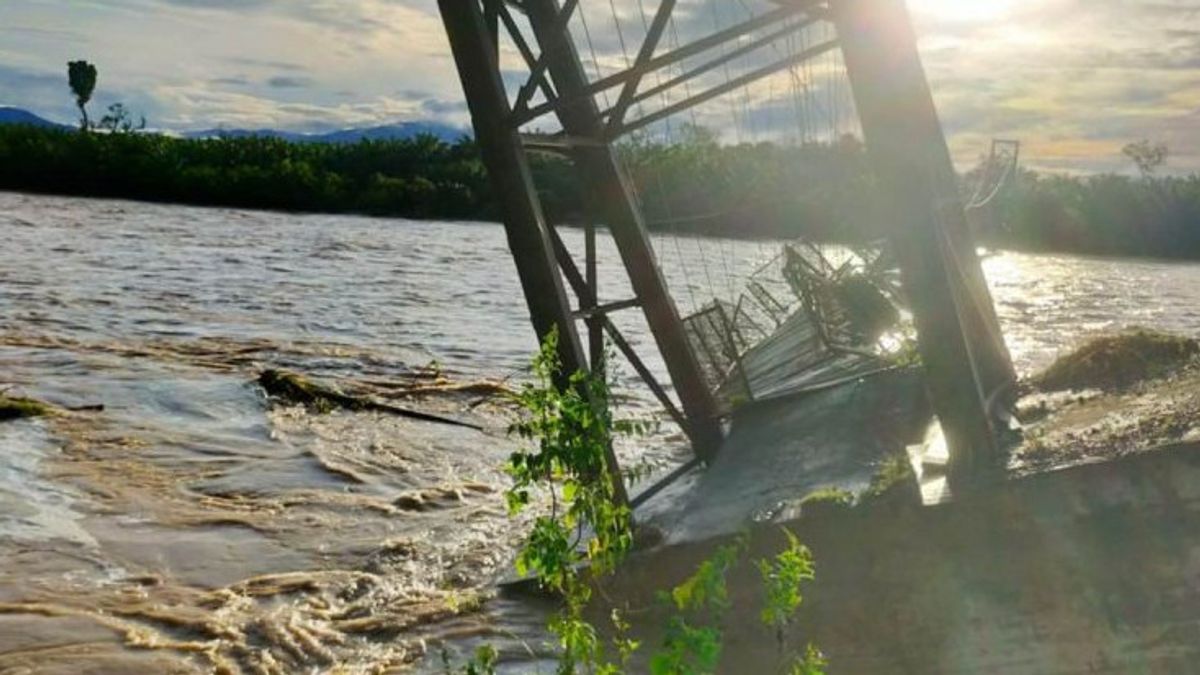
[587, 532]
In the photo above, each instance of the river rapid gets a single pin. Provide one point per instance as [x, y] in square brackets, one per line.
[191, 526]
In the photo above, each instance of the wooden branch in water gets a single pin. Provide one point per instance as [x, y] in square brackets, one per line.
[17, 407]
[297, 389]
[485, 388]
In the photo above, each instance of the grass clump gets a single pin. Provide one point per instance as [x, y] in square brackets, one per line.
[16, 408]
[894, 474]
[1118, 361]
[827, 499]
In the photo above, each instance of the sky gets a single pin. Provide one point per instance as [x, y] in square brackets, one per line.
[1074, 80]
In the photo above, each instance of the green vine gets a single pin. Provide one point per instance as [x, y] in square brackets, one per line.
[588, 531]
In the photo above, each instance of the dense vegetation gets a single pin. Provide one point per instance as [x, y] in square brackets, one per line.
[419, 178]
[819, 191]
[1104, 214]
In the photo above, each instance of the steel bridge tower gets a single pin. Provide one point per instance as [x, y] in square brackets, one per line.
[967, 365]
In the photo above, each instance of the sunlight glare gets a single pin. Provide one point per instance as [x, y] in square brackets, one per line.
[963, 10]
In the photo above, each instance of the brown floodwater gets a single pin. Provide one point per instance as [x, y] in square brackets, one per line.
[191, 526]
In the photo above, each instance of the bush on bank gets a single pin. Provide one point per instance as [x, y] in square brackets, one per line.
[820, 191]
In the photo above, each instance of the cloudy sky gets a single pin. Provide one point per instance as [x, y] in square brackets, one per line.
[1073, 79]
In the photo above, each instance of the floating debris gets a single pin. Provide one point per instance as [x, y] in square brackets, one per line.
[298, 390]
[17, 407]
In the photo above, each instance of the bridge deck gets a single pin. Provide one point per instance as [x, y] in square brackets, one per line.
[780, 451]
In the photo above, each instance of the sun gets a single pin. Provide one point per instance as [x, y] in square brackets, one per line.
[963, 10]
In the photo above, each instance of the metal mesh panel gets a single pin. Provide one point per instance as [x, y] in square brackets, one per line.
[717, 342]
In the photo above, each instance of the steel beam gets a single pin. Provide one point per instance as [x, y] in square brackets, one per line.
[663, 60]
[940, 269]
[708, 66]
[491, 17]
[586, 293]
[602, 173]
[724, 88]
[653, 35]
[537, 69]
[508, 169]
[558, 143]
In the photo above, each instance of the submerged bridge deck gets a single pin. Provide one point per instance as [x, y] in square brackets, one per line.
[782, 450]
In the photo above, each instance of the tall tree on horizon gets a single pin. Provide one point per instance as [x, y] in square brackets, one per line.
[1146, 156]
[82, 77]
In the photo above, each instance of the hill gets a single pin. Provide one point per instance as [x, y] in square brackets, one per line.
[387, 132]
[9, 115]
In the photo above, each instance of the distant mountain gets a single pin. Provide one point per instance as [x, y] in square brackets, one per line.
[17, 116]
[402, 130]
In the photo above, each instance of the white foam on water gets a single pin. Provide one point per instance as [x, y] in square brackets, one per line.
[33, 507]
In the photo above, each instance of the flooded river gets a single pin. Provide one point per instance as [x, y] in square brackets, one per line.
[189, 526]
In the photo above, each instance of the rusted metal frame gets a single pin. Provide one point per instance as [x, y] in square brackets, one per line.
[773, 307]
[597, 310]
[557, 143]
[509, 172]
[713, 358]
[534, 82]
[611, 194]
[639, 366]
[709, 66]
[591, 267]
[537, 70]
[750, 320]
[529, 236]
[732, 328]
[662, 61]
[514, 31]
[586, 295]
[491, 17]
[725, 88]
[735, 336]
[912, 163]
[653, 36]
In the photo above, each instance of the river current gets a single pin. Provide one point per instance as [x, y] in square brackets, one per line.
[189, 526]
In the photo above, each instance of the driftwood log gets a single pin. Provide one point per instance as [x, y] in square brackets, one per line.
[297, 389]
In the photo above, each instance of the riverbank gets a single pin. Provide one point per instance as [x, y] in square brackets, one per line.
[694, 187]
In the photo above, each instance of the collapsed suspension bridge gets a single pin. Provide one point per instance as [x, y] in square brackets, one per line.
[779, 372]
[686, 63]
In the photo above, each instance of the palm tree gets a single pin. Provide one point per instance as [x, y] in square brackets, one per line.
[82, 77]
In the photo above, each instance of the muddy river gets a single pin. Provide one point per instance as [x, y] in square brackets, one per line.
[190, 526]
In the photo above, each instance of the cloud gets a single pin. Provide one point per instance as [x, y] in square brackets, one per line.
[201, 106]
[265, 63]
[39, 32]
[289, 82]
[236, 5]
[1074, 79]
[42, 91]
[439, 108]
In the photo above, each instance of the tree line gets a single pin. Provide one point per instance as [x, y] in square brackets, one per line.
[1105, 214]
[820, 191]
